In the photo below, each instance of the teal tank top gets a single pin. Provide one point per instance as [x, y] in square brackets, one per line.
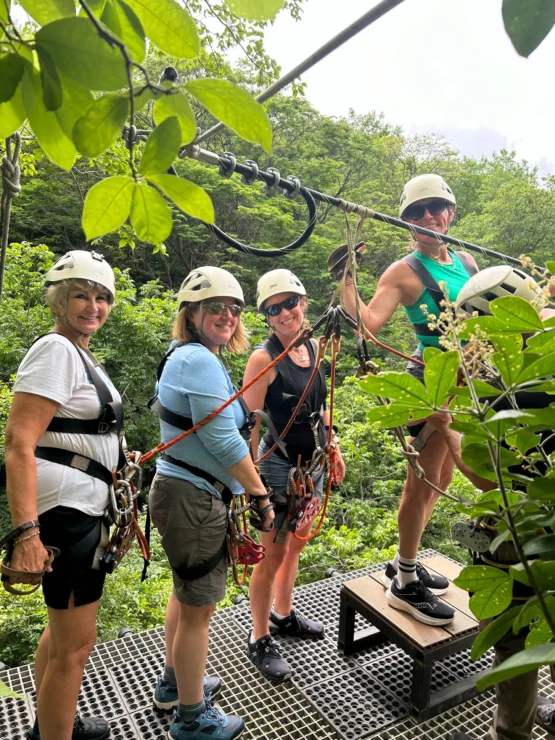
[454, 275]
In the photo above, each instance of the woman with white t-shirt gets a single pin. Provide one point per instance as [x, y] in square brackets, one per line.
[61, 445]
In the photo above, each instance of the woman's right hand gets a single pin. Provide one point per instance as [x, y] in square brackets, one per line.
[30, 556]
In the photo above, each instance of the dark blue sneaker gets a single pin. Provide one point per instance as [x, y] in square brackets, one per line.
[84, 728]
[212, 724]
[165, 695]
[419, 602]
[295, 625]
[545, 715]
[434, 582]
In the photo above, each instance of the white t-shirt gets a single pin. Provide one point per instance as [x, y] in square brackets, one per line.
[52, 368]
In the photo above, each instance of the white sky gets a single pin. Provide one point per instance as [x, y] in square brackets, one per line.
[429, 65]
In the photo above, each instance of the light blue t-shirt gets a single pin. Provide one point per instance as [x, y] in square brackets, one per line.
[194, 383]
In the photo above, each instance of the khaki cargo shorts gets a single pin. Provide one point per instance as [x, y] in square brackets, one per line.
[192, 524]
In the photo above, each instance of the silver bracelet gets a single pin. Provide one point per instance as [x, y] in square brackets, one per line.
[22, 539]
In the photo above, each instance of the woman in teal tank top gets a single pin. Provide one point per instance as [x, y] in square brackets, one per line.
[427, 201]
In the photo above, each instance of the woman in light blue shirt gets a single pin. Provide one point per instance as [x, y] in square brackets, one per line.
[194, 483]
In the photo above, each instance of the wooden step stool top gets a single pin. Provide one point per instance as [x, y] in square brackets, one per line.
[370, 591]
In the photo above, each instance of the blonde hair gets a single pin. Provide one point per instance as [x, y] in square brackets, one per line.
[185, 332]
[56, 294]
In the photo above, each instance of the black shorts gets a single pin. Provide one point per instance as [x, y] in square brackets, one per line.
[72, 572]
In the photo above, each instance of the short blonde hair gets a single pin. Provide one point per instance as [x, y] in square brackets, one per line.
[55, 295]
[185, 332]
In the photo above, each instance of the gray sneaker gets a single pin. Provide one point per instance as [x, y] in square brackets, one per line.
[545, 715]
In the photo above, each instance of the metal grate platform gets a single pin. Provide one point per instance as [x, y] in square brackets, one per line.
[330, 697]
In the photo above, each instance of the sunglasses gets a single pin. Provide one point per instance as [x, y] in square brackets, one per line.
[415, 213]
[217, 308]
[277, 308]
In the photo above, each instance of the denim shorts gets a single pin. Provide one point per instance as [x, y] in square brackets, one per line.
[193, 525]
[275, 471]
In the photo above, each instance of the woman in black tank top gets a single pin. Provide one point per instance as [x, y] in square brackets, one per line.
[282, 298]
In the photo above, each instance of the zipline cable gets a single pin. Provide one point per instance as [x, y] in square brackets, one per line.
[251, 170]
[359, 25]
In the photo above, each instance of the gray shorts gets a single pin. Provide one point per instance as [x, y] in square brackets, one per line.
[192, 524]
[276, 474]
[413, 368]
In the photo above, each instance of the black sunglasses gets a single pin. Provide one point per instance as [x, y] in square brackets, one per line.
[277, 308]
[434, 208]
[219, 307]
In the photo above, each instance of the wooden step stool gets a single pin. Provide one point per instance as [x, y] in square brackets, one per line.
[421, 642]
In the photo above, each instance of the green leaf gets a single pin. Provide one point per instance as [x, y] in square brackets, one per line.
[399, 387]
[235, 108]
[492, 601]
[540, 634]
[479, 577]
[76, 100]
[45, 124]
[541, 368]
[390, 415]
[542, 341]
[509, 414]
[516, 665]
[472, 429]
[187, 196]
[177, 105]
[79, 52]
[523, 441]
[527, 23]
[12, 114]
[46, 11]
[516, 312]
[11, 72]
[122, 20]
[551, 267]
[508, 359]
[489, 324]
[499, 540]
[256, 10]
[430, 352]
[168, 26]
[161, 148]
[490, 635]
[52, 93]
[476, 456]
[544, 574]
[107, 205]
[96, 7]
[440, 374]
[101, 125]
[150, 214]
[5, 692]
[545, 543]
[4, 11]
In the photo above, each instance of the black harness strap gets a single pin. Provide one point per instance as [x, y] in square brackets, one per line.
[218, 485]
[74, 460]
[432, 286]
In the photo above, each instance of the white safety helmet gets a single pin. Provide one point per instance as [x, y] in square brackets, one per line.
[425, 186]
[82, 265]
[209, 282]
[277, 281]
[494, 282]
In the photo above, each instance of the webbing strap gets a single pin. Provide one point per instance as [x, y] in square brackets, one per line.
[77, 462]
[176, 420]
[227, 495]
[194, 572]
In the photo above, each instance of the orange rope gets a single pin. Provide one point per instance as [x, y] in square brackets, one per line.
[303, 337]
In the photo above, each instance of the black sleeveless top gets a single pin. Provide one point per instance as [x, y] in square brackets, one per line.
[283, 396]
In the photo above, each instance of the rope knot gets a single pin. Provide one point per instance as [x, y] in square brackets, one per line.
[11, 176]
[412, 456]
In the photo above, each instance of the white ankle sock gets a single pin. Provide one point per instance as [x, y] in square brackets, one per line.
[406, 572]
[395, 561]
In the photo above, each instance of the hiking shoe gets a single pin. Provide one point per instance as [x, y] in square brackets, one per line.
[210, 724]
[295, 625]
[437, 584]
[420, 603]
[545, 715]
[265, 655]
[84, 728]
[165, 695]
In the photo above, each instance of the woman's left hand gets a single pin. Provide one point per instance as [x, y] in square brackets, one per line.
[339, 466]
